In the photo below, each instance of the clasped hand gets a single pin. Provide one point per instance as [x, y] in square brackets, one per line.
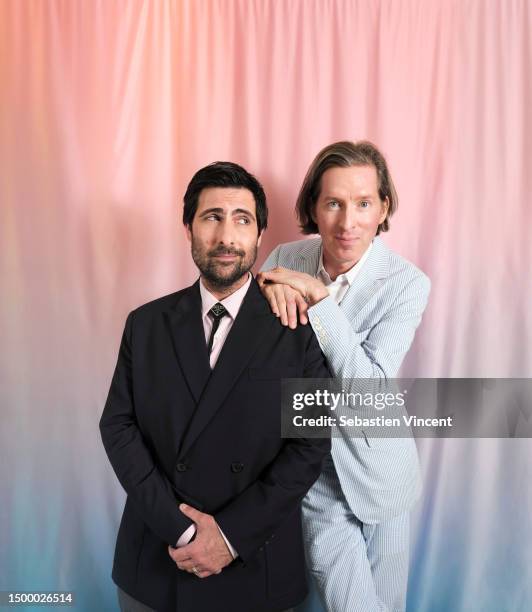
[208, 553]
[291, 293]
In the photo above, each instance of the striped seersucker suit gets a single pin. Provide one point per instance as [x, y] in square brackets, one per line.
[356, 516]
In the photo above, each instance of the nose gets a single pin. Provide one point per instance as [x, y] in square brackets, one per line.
[347, 219]
[225, 234]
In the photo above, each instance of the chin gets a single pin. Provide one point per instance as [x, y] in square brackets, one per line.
[227, 276]
[225, 269]
[347, 254]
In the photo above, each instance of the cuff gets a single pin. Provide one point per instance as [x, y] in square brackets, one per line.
[186, 536]
[231, 549]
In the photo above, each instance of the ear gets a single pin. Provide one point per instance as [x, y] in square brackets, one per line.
[385, 206]
[259, 239]
[188, 232]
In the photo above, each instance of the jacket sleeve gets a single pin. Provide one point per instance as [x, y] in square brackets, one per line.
[251, 519]
[379, 352]
[146, 485]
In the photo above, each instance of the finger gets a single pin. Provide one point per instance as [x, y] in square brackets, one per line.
[196, 567]
[269, 293]
[188, 565]
[201, 568]
[291, 308]
[273, 274]
[184, 553]
[177, 553]
[173, 552]
[192, 513]
[264, 277]
[302, 308]
[205, 574]
[281, 304]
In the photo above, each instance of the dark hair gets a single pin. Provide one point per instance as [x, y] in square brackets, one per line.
[344, 154]
[224, 174]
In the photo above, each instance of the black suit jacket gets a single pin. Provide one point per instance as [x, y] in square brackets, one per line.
[175, 431]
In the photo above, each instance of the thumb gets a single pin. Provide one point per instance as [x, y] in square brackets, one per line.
[192, 513]
[269, 274]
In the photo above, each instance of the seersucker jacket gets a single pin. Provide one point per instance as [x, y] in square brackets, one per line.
[367, 336]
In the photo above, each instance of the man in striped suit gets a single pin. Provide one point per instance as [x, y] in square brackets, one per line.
[364, 303]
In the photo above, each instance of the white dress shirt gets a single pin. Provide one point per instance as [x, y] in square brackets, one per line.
[338, 288]
[232, 304]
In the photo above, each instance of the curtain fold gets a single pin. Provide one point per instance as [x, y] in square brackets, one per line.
[106, 111]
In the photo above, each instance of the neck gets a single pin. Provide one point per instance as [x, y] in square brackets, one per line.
[220, 292]
[334, 268]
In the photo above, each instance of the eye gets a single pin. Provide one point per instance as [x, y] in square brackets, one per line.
[243, 221]
[212, 217]
[364, 204]
[333, 204]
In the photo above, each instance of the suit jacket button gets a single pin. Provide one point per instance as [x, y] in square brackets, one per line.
[236, 467]
[182, 467]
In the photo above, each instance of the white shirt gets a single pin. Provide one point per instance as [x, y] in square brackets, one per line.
[232, 304]
[338, 288]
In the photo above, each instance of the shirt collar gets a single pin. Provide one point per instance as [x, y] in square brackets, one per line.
[232, 302]
[348, 276]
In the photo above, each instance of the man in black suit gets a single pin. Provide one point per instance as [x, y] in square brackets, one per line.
[191, 425]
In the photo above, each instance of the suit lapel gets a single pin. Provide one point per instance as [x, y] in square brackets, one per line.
[253, 321]
[309, 257]
[188, 337]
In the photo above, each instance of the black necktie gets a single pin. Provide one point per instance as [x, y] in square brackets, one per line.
[217, 311]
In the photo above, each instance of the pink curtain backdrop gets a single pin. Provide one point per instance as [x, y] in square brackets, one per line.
[106, 110]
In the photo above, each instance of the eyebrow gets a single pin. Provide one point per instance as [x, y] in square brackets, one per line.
[339, 197]
[221, 211]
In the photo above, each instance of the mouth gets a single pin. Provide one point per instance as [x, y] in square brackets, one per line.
[346, 241]
[225, 257]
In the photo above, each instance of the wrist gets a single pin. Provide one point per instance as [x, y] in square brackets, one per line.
[317, 293]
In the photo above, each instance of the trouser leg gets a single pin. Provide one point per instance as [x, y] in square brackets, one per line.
[356, 567]
[129, 604]
[388, 548]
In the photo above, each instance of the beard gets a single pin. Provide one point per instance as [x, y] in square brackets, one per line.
[219, 274]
